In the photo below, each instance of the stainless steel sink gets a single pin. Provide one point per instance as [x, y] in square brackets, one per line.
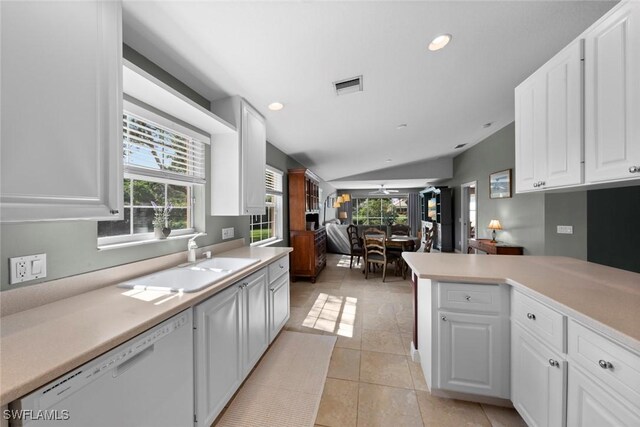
[190, 277]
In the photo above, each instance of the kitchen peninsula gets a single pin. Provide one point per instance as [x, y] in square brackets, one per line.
[556, 336]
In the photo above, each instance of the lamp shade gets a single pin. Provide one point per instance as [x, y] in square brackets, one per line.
[336, 204]
[495, 225]
[340, 199]
[346, 197]
[342, 215]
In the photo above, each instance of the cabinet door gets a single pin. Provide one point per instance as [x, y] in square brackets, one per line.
[254, 145]
[278, 305]
[61, 149]
[549, 124]
[473, 354]
[589, 404]
[563, 145]
[256, 333]
[530, 131]
[537, 381]
[218, 352]
[612, 96]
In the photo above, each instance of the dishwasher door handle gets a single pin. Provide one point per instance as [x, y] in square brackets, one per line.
[126, 365]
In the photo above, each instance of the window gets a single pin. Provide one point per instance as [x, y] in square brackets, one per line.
[163, 164]
[268, 226]
[379, 211]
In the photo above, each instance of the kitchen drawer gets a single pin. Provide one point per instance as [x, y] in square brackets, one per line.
[542, 321]
[469, 297]
[278, 268]
[613, 364]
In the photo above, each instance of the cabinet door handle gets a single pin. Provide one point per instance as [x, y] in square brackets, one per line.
[535, 185]
[272, 289]
[634, 169]
[280, 265]
[604, 364]
[531, 316]
[114, 211]
[554, 363]
[468, 298]
[444, 318]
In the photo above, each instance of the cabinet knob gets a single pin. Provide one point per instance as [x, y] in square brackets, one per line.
[542, 183]
[531, 316]
[634, 169]
[605, 365]
[272, 289]
[468, 298]
[444, 318]
[554, 363]
[535, 185]
[280, 265]
[114, 211]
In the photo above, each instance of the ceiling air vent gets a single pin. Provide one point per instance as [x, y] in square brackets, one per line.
[459, 146]
[343, 87]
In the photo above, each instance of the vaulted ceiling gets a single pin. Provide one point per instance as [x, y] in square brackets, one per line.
[292, 52]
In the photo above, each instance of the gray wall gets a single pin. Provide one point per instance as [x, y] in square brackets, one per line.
[566, 209]
[522, 216]
[71, 246]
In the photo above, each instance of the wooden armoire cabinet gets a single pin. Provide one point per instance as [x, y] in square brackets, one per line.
[306, 236]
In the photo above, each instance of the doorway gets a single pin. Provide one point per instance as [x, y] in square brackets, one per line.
[469, 212]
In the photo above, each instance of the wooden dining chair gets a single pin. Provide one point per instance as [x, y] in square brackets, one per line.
[354, 244]
[375, 253]
[400, 230]
[427, 242]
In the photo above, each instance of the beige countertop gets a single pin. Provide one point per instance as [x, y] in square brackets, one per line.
[43, 343]
[605, 298]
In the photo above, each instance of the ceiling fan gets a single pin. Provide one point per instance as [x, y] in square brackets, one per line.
[382, 191]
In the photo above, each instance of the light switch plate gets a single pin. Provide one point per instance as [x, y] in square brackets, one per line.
[29, 267]
[227, 233]
[565, 229]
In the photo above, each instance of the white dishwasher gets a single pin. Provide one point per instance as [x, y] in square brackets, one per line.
[147, 381]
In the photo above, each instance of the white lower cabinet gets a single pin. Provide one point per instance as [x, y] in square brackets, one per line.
[255, 317]
[537, 380]
[230, 336]
[591, 404]
[278, 305]
[473, 354]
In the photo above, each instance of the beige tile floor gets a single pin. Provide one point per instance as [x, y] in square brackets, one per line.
[372, 381]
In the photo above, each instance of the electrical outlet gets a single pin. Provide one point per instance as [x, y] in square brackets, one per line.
[227, 233]
[29, 267]
[565, 229]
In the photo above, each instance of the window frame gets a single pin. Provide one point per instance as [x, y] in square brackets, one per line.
[133, 172]
[278, 211]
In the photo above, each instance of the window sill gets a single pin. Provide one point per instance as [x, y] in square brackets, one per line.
[265, 244]
[145, 242]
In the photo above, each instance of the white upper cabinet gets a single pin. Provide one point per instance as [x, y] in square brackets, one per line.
[238, 161]
[612, 96]
[549, 124]
[596, 75]
[61, 150]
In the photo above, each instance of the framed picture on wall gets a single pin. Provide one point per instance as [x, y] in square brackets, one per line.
[500, 184]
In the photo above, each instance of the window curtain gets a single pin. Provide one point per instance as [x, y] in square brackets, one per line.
[413, 214]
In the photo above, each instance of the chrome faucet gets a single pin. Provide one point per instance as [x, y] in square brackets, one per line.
[192, 246]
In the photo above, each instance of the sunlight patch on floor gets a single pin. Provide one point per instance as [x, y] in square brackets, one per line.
[343, 261]
[335, 314]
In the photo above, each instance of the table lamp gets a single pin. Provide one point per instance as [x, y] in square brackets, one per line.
[494, 225]
[342, 216]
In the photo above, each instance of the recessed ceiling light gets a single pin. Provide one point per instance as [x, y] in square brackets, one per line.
[439, 42]
[486, 125]
[401, 126]
[276, 106]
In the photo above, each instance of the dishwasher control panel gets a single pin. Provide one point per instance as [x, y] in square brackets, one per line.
[114, 361]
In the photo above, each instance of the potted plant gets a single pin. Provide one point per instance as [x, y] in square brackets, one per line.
[161, 220]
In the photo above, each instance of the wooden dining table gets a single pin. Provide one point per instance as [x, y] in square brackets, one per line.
[404, 243]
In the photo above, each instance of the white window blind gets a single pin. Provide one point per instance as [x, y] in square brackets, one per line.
[154, 150]
[273, 181]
